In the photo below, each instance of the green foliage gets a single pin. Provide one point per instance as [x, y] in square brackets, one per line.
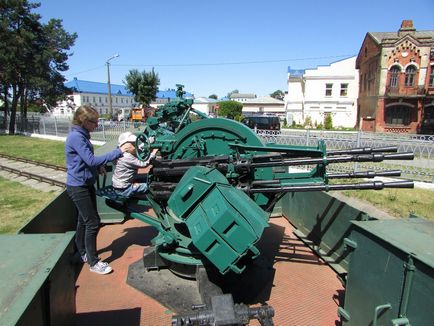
[19, 204]
[33, 107]
[307, 121]
[230, 109]
[328, 122]
[239, 117]
[33, 56]
[399, 202]
[106, 116]
[235, 91]
[48, 151]
[213, 96]
[285, 123]
[144, 85]
[279, 95]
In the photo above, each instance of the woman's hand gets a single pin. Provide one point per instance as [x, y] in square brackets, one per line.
[128, 148]
[102, 170]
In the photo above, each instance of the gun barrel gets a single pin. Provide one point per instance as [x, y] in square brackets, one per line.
[400, 156]
[375, 185]
[363, 150]
[365, 174]
[376, 157]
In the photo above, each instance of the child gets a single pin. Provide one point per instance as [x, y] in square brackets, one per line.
[126, 169]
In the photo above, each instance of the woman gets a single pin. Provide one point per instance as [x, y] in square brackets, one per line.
[82, 170]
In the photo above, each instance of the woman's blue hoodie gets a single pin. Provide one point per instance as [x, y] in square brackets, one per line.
[81, 164]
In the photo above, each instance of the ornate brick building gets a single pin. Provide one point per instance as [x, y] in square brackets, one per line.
[396, 71]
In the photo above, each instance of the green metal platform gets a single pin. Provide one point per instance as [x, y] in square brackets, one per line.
[37, 279]
[391, 273]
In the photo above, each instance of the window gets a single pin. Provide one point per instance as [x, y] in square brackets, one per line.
[431, 77]
[410, 72]
[398, 115]
[344, 89]
[328, 90]
[394, 76]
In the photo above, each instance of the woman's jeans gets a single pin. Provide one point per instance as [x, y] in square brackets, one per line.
[88, 221]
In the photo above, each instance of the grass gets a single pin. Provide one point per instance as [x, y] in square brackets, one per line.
[399, 202]
[19, 204]
[42, 150]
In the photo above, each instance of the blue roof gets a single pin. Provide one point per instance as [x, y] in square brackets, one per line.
[171, 93]
[205, 100]
[84, 86]
[296, 72]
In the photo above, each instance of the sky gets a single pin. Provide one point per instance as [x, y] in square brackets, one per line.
[215, 47]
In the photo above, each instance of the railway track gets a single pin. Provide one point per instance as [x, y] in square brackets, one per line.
[39, 175]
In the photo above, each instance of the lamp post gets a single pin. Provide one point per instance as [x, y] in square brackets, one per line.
[108, 83]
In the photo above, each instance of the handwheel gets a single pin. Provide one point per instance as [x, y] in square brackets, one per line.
[143, 147]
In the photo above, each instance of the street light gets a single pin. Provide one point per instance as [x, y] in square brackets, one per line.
[108, 82]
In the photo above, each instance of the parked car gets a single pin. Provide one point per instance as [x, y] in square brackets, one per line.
[262, 122]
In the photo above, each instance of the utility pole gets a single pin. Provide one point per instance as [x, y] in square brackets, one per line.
[108, 83]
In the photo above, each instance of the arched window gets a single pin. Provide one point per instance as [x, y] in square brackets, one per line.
[410, 72]
[394, 75]
[397, 115]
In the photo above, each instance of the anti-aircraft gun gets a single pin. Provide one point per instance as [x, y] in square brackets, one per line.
[215, 185]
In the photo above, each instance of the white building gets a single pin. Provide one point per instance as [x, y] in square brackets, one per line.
[264, 105]
[326, 90]
[64, 108]
[206, 105]
[96, 95]
[240, 97]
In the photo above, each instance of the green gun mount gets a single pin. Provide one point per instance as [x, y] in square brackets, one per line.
[215, 185]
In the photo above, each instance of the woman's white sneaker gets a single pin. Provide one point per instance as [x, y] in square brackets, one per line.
[101, 268]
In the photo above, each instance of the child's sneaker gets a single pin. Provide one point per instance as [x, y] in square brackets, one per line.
[84, 258]
[101, 268]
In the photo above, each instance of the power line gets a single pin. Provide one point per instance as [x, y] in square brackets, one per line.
[214, 63]
[84, 71]
[231, 63]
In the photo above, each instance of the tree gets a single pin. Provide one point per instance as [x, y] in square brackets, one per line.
[32, 57]
[214, 96]
[328, 122]
[144, 85]
[279, 95]
[235, 91]
[308, 122]
[230, 109]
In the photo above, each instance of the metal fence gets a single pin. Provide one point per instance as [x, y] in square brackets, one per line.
[420, 169]
[59, 126]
